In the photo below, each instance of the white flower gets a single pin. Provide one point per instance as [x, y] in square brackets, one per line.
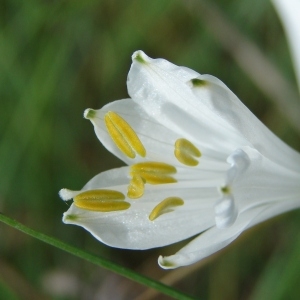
[199, 163]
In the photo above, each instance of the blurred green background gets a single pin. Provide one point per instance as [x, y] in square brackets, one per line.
[59, 57]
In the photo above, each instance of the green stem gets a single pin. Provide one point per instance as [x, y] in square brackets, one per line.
[99, 261]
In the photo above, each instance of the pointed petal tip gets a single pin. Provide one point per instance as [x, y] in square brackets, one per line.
[89, 113]
[65, 217]
[178, 260]
[197, 82]
[140, 56]
[165, 263]
[69, 218]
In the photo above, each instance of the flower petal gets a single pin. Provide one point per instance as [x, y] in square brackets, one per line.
[168, 98]
[226, 105]
[118, 177]
[253, 180]
[258, 180]
[132, 229]
[289, 11]
[215, 239]
[159, 140]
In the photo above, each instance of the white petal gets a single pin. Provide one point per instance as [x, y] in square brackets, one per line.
[214, 239]
[208, 243]
[167, 98]
[119, 179]
[110, 179]
[225, 104]
[214, 139]
[289, 11]
[253, 180]
[276, 208]
[226, 211]
[132, 229]
[260, 189]
[261, 180]
[183, 74]
[158, 140]
[123, 107]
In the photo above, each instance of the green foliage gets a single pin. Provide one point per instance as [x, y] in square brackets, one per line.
[6, 292]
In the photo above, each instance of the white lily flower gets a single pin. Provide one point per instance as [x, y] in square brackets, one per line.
[199, 161]
[289, 11]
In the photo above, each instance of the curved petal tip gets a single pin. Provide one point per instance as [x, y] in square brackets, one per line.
[89, 113]
[140, 56]
[166, 263]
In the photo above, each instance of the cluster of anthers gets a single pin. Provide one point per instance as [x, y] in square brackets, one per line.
[151, 172]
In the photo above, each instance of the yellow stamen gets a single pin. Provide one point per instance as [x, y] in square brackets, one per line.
[136, 187]
[123, 135]
[100, 195]
[185, 152]
[101, 200]
[154, 172]
[165, 206]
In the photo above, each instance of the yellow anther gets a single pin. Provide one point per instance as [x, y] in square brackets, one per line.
[154, 172]
[103, 195]
[136, 187]
[165, 206]
[123, 135]
[101, 200]
[103, 206]
[154, 167]
[185, 152]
